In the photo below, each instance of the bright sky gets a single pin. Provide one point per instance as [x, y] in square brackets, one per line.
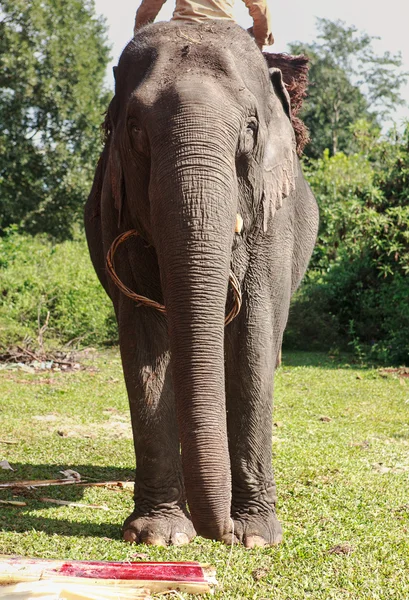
[292, 20]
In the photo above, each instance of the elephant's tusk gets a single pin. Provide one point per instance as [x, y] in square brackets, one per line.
[239, 223]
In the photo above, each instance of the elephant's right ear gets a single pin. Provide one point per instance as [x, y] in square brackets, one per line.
[117, 181]
[115, 167]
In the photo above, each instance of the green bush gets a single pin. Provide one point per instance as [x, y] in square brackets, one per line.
[38, 277]
[311, 326]
[357, 290]
[350, 307]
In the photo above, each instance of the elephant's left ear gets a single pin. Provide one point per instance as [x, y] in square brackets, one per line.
[280, 156]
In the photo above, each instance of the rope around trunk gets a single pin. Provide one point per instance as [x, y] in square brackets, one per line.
[143, 300]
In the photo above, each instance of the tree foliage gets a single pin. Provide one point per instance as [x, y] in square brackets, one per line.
[348, 82]
[357, 289]
[364, 206]
[53, 55]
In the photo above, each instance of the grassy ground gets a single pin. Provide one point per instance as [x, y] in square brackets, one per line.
[343, 480]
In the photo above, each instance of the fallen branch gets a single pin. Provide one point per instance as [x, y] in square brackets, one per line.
[68, 503]
[49, 482]
[26, 352]
[4, 464]
[37, 483]
[25, 356]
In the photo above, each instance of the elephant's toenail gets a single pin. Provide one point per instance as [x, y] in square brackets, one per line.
[179, 539]
[277, 539]
[154, 540]
[129, 536]
[255, 541]
[229, 539]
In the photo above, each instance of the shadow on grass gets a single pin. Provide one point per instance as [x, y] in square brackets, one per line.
[19, 520]
[321, 360]
[26, 471]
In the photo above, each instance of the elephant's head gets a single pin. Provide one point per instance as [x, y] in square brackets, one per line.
[199, 130]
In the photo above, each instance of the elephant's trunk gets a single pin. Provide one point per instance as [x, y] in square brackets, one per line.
[193, 216]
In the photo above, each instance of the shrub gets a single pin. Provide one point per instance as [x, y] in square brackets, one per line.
[311, 326]
[357, 289]
[350, 306]
[38, 277]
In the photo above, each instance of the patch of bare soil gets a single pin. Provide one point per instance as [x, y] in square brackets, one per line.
[341, 549]
[38, 361]
[399, 371]
[118, 426]
[382, 468]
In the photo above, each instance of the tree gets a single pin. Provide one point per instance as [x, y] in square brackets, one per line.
[53, 56]
[348, 82]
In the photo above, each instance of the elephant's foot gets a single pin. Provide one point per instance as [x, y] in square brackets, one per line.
[168, 525]
[255, 530]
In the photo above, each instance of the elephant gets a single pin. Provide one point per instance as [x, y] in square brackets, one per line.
[200, 160]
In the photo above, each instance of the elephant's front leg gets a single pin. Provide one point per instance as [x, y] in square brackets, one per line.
[250, 359]
[160, 516]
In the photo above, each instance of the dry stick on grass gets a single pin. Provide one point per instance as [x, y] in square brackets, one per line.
[49, 482]
[37, 483]
[13, 502]
[21, 354]
[76, 504]
[26, 352]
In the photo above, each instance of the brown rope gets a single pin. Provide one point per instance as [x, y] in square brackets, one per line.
[235, 309]
[124, 289]
[142, 300]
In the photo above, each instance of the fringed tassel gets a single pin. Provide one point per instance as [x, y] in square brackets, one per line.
[294, 70]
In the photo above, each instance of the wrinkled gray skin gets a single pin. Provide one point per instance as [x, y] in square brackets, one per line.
[200, 131]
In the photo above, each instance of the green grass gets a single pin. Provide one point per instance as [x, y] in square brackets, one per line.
[332, 489]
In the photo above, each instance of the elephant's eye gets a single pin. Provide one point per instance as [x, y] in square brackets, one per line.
[138, 137]
[134, 128]
[252, 127]
[248, 137]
